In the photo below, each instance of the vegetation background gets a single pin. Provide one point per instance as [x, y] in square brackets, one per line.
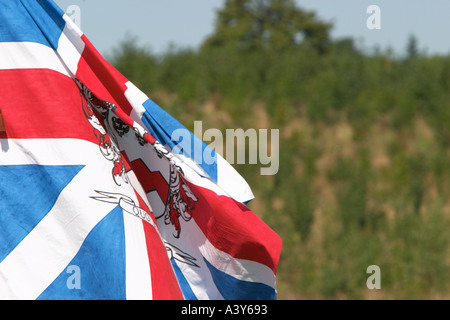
[364, 176]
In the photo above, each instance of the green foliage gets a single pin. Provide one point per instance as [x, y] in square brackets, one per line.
[364, 141]
[267, 24]
[135, 63]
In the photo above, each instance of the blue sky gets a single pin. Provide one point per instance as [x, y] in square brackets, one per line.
[186, 23]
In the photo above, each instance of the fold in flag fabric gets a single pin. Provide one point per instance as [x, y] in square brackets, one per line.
[95, 200]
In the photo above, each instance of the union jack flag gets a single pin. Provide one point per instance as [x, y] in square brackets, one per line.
[91, 185]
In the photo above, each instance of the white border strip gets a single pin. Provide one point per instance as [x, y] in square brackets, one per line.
[29, 55]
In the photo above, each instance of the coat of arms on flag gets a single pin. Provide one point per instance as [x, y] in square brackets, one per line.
[90, 183]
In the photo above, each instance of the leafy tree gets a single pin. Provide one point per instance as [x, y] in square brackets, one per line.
[411, 47]
[262, 24]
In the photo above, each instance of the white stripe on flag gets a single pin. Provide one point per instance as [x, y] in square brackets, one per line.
[232, 182]
[47, 152]
[245, 270]
[70, 45]
[29, 55]
[136, 98]
[138, 285]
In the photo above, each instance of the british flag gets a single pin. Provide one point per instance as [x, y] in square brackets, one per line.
[95, 202]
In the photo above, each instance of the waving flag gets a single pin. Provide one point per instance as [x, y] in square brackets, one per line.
[95, 201]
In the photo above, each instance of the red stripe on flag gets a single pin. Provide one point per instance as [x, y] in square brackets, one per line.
[150, 180]
[2, 125]
[164, 282]
[100, 77]
[42, 103]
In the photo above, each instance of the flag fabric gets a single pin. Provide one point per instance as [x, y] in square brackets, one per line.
[96, 200]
